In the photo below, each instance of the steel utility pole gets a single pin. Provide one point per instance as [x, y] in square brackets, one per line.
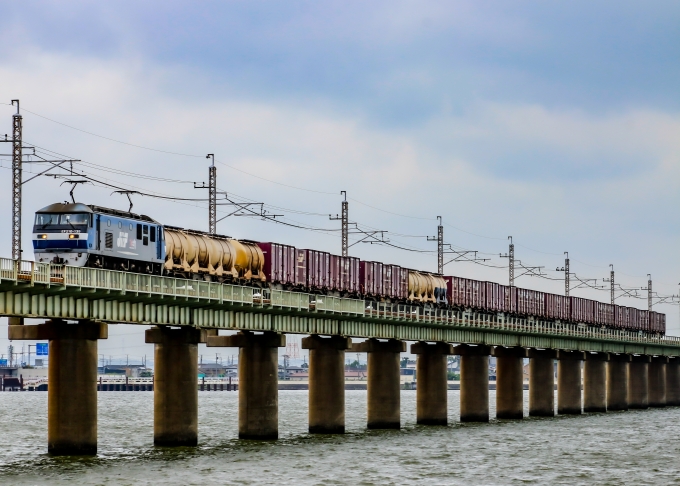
[611, 281]
[511, 256]
[344, 219]
[16, 183]
[566, 274]
[212, 195]
[440, 246]
[649, 292]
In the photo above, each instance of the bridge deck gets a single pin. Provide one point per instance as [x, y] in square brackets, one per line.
[39, 290]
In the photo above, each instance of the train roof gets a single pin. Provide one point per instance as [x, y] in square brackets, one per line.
[90, 208]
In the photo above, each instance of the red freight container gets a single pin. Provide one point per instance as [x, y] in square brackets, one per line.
[395, 282]
[582, 310]
[557, 307]
[510, 294]
[344, 273]
[494, 299]
[644, 320]
[621, 317]
[530, 302]
[280, 263]
[604, 314]
[657, 322]
[371, 278]
[455, 290]
[317, 269]
[475, 294]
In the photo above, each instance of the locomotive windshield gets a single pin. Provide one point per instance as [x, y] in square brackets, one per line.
[46, 220]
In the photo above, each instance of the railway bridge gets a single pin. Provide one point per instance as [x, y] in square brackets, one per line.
[619, 369]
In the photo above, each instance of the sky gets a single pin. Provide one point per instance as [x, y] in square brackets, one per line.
[556, 123]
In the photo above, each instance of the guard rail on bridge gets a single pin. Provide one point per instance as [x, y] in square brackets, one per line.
[40, 290]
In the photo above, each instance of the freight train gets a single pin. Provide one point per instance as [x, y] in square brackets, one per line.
[92, 236]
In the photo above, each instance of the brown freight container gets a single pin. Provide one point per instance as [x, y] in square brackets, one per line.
[344, 274]
[644, 320]
[557, 307]
[604, 314]
[395, 282]
[475, 294]
[371, 278]
[455, 287]
[279, 263]
[621, 317]
[317, 269]
[494, 300]
[634, 319]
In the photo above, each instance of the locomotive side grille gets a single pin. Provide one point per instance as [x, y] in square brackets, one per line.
[108, 240]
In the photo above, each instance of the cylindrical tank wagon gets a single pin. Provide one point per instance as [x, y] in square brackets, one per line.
[189, 253]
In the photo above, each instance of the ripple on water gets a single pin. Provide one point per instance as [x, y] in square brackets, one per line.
[637, 447]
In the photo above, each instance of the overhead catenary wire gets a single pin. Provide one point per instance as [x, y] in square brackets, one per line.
[119, 186]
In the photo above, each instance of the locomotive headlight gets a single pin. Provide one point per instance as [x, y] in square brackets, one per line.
[42, 237]
[73, 236]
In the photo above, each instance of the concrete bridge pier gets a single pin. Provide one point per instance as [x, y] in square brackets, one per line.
[383, 382]
[258, 371]
[617, 381]
[569, 382]
[542, 382]
[474, 382]
[175, 394]
[657, 381]
[595, 382]
[673, 382]
[638, 382]
[326, 383]
[509, 382]
[432, 383]
[72, 376]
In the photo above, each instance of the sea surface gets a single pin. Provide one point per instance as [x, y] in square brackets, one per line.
[636, 447]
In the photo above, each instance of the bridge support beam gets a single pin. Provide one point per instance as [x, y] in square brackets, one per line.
[617, 381]
[258, 372]
[175, 394]
[657, 381]
[542, 382]
[383, 382]
[509, 382]
[595, 382]
[474, 382]
[673, 382]
[326, 383]
[638, 382]
[569, 382]
[431, 382]
[72, 377]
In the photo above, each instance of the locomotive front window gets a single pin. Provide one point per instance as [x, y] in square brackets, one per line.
[76, 218]
[44, 219]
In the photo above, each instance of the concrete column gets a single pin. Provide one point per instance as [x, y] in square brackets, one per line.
[638, 382]
[258, 372]
[657, 381]
[326, 383]
[384, 382]
[474, 382]
[673, 382]
[175, 396]
[509, 382]
[542, 382]
[569, 382]
[617, 381]
[595, 382]
[431, 382]
[72, 376]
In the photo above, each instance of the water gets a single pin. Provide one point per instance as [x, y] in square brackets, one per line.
[637, 447]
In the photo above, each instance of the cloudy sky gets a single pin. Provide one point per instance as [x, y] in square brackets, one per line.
[556, 123]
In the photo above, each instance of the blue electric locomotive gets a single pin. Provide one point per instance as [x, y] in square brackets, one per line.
[82, 235]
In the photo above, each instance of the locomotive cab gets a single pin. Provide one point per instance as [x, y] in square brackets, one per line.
[63, 233]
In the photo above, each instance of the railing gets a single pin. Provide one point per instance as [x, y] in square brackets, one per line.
[28, 272]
